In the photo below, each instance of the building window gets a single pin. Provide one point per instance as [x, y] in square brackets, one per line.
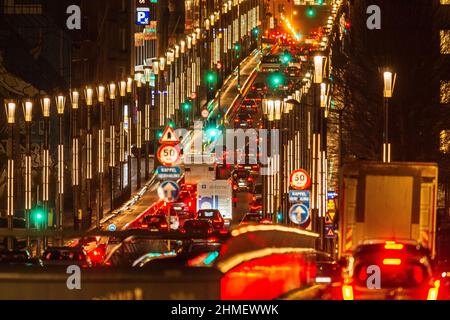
[445, 92]
[444, 145]
[445, 2]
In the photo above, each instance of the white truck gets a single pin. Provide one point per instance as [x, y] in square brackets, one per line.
[216, 195]
[387, 201]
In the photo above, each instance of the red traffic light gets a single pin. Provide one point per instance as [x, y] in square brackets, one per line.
[219, 65]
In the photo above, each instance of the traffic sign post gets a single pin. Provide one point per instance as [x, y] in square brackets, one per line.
[169, 136]
[168, 173]
[300, 180]
[169, 191]
[299, 214]
[168, 154]
[302, 196]
[330, 233]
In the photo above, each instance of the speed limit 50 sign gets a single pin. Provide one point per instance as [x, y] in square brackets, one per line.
[300, 180]
[168, 154]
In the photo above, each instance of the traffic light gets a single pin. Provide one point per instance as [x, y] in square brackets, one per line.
[275, 80]
[310, 12]
[237, 49]
[159, 134]
[37, 216]
[320, 2]
[286, 58]
[256, 31]
[187, 106]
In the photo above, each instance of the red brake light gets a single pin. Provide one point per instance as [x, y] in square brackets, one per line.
[392, 262]
[391, 245]
[163, 225]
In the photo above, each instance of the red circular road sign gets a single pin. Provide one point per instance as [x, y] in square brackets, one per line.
[300, 180]
[168, 154]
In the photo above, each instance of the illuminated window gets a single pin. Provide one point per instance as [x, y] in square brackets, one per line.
[444, 145]
[445, 92]
[445, 2]
[445, 41]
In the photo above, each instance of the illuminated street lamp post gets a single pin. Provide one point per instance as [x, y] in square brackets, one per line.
[112, 141]
[89, 95]
[10, 108]
[139, 76]
[130, 130]
[101, 91]
[389, 84]
[60, 104]
[45, 105]
[147, 90]
[74, 98]
[122, 93]
[28, 113]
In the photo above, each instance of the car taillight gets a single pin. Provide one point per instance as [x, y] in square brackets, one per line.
[163, 225]
[210, 230]
[250, 179]
[254, 198]
[392, 262]
[144, 225]
[347, 292]
[182, 231]
[235, 187]
[434, 291]
[391, 245]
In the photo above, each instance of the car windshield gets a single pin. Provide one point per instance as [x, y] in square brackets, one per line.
[206, 214]
[240, 174]
[251, 218]
[154, 219]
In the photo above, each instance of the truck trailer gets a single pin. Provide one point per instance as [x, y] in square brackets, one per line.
[387, 201]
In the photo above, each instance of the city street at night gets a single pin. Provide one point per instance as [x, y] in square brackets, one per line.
[225, 157]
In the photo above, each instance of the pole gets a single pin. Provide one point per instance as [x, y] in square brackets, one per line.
[60, 221]
[147, 129]
[139, 134]
[112, 152]
[75, 167]
[10, 189]
[129, 134]
[27, 178]
[101, 163]
[89, 161]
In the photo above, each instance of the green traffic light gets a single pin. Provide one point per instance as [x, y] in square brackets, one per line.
[311, 12]
[186, 106]
[159, 134]
[237, 47]
[286, 58]
[256, 31]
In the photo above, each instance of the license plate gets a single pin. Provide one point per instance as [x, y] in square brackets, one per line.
[177, 208]
[154, 230]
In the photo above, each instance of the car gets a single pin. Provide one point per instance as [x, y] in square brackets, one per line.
[292, 72]
[66, 256]
[249, 105]
[257, 192]
[404, 272]
[18, 257]
[254, 218]
[259, 87]
[194, 227]
[242, 180]
[243, 120]
[155, 223]
[212, 215]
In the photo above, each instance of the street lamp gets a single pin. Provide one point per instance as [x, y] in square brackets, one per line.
[10, 108]
[389, 84]
[122, 93]
[129, 132]
[45, 105]
[28, 113]
[74, 99]
[60, 104]
[89, 96]
[112, 141]
[147, 75]
[101, 92]
[139, 76]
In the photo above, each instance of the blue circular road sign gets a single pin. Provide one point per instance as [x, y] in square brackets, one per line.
[169, 191]
[299, 213]
[112, 227]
